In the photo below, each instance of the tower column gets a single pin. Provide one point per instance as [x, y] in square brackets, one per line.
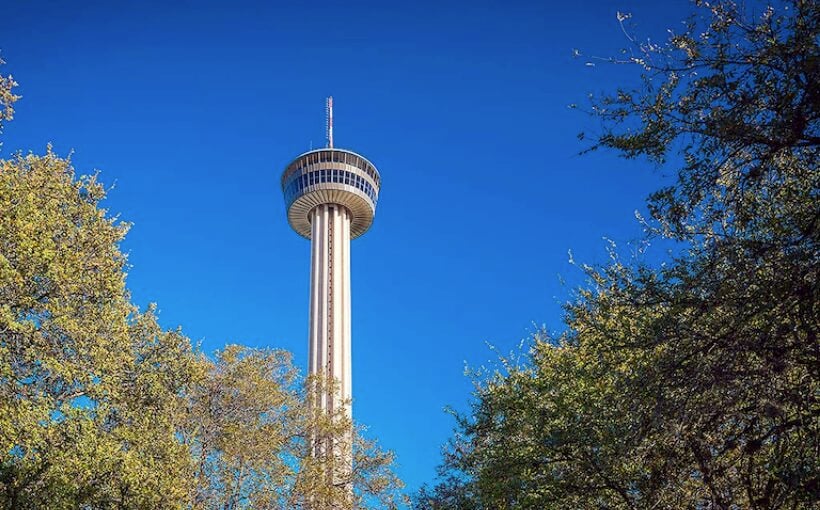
[329, 330]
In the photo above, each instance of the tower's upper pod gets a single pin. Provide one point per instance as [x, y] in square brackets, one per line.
[331, 176]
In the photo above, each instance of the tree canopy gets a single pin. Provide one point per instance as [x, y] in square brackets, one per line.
[252, 434]
[695, 383]
[88, 383]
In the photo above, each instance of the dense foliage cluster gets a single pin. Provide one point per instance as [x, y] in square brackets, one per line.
[695, 384]
[100, 407]
[252, 438]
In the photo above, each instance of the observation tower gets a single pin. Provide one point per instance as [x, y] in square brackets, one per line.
[330, 196]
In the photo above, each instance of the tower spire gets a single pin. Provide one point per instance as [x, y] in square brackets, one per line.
[329, 114]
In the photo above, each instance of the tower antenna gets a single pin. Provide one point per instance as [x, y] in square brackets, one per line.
[329, 114]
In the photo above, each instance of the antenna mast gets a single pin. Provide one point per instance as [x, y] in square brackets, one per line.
[329, 114]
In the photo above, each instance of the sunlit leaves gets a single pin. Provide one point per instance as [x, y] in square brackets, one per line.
[258, 443]
[7, 97]
[88, 385]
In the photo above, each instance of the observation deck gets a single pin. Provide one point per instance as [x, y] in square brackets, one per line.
[331, 176]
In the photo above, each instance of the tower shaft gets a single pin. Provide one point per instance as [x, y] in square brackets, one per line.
[329, 332]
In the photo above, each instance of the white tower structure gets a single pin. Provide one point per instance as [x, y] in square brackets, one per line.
[330, 196]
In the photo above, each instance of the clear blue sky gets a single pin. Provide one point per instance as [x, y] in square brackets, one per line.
[192, 109]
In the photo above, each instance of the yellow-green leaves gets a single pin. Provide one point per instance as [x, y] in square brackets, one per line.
[7, 97]
[89, 388]
[253, 434]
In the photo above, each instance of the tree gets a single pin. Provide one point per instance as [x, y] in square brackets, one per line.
[694, 384]
[242, 423]
[253, 435]
[89, 387]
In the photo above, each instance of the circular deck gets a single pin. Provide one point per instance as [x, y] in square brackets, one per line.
[331, 176]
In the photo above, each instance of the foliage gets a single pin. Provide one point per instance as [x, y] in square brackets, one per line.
[88, 385]
[7, 98]
[242, 420]
[695, 384]
[254, 437]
